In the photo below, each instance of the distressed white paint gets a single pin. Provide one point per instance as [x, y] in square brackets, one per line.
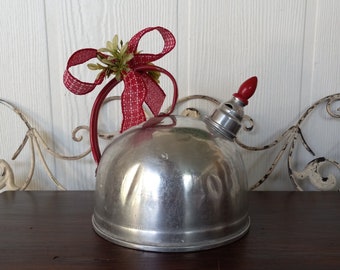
[292, 46]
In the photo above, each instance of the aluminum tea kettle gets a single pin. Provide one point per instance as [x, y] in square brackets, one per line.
[174, 183]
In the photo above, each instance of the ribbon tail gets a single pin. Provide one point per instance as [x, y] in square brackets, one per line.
[155, 96]
[132, 100]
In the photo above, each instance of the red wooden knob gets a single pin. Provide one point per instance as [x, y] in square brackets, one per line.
[246, 90]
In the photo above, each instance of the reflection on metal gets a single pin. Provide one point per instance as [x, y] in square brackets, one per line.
[312, 175]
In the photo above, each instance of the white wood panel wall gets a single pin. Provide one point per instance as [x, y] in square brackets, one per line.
[292, 46]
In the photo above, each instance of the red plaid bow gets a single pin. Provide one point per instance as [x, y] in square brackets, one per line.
[139, 86]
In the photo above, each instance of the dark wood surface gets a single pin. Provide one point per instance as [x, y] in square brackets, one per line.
[52, 230]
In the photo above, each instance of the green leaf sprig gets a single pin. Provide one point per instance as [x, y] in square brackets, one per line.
[115, 62]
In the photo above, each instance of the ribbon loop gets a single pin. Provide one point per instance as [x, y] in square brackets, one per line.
[72, 83]
[144, 58]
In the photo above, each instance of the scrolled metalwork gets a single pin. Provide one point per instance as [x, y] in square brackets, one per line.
[6, 177]
[36, 144]
[330, 101]
[313, 173]
[289, 139]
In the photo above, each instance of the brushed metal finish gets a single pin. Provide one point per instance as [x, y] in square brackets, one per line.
[227, 118]
[172, 186]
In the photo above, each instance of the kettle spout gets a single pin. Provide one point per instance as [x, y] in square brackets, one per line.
[227, 117]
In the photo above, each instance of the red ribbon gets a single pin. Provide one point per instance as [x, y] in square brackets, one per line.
[139, 87]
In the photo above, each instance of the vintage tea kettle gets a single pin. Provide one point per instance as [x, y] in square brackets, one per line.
[171, 183]
[175, 183]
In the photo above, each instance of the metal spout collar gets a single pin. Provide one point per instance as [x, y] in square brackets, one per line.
[226, 119]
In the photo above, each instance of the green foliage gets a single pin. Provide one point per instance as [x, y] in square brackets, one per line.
[115, 58]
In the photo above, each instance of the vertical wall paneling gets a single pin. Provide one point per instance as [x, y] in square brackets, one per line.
[24, 81]
[183, 47]
[292, 46]
[233, 40]
[321, 78]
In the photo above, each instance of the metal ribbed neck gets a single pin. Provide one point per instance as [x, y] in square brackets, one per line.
[227, 118]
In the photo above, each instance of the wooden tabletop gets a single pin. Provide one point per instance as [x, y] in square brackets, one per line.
[53, 230]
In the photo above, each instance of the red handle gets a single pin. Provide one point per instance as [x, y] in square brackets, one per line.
[103, 94]
[246, 90]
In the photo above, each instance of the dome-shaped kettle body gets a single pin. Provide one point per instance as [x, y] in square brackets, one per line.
[175, 183]
[173, 186]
